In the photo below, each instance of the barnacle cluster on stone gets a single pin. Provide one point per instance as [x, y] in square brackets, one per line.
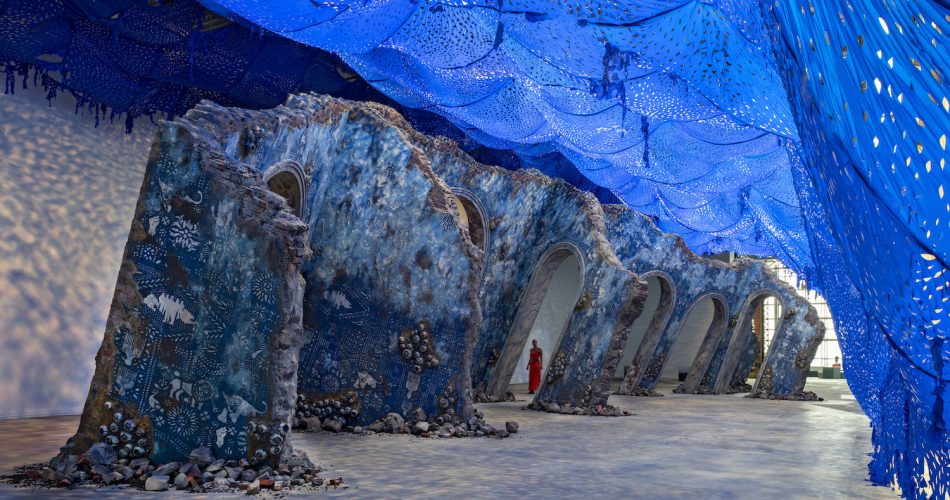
[446, 405]
[585, 399]
[482, 397]
[739, 388]
[765, 383]
[705, 387]
[557, 368]
[646, 393]
[123, 433]
[340, 407]
[416, 348]
[267, 440]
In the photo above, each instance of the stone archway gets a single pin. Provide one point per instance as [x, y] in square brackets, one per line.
[707, 318]
[286, 178]
[535, 298]
[475, 217]
[696, 379]
[652, 356]
[661, 297]
[737, 352]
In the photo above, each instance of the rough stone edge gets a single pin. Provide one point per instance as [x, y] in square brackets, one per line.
[301, 110]
[283, 225]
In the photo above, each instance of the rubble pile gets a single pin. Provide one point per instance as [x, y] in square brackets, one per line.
[797, 396]
[202, 473]
[418, 424]
[739, 388]
[482, 397]
[566, 408]
[646, 393]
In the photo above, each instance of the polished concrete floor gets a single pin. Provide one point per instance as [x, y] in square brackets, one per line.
[676, 446]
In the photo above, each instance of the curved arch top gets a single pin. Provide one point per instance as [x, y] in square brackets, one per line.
[483, 239]
[557, 251]
[295, 197]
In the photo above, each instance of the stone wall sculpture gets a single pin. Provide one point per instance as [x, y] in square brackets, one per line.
[201, 344]
[380, 285]
[536, 222]
[726, 354]
[390, 308]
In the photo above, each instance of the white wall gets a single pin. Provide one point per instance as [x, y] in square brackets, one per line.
[690, 338]
[640, 325]
[67, 196]
[556, 308]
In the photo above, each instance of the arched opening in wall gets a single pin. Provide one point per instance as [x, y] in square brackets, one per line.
[286, 179]
[760, 320]
[705, 319]
[474, 216]
[544, 313]
[652, 321]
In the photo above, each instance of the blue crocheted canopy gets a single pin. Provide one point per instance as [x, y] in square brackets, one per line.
[814, 131]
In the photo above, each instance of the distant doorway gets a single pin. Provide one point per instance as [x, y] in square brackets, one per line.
[705, 320]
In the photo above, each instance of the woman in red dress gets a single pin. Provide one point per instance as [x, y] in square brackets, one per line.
[534, 368]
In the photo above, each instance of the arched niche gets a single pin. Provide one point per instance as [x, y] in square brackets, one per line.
[661, 295]
[556, 299]
[286, 178]
[737, 357]
[474, 216]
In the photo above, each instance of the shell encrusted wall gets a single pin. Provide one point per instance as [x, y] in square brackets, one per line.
[202, 340]
[390, 309]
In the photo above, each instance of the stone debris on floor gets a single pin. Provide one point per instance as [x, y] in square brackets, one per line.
[202, 473]
[678, 446]
[418, 423]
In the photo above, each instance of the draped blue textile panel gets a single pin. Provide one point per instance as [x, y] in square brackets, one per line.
[812, 131]
[674, 106]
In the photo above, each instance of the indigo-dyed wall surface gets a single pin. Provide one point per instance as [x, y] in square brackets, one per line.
[529, 215]
[644, 248]
[67, 193]
[204, 332]
[393, 272]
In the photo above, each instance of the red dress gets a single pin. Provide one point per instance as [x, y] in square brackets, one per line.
[534, 369]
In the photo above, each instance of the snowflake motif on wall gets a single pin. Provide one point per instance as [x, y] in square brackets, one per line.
[264, 290]
[184, 234]
[183, 420]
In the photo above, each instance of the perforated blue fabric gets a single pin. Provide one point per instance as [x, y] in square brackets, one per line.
[660, 102]
[867, 81]
[814, 131]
